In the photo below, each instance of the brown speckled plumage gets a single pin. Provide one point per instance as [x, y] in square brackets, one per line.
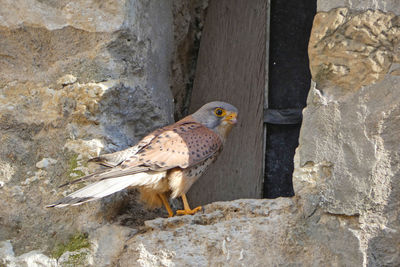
[167, 161]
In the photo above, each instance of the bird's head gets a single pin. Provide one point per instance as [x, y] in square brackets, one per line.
[218, 116]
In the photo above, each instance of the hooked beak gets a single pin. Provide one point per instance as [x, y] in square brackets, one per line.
[231, 118]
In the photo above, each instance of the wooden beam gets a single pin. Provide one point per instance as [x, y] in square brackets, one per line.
[231, 67]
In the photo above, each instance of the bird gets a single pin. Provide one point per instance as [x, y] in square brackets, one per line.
[164, 164]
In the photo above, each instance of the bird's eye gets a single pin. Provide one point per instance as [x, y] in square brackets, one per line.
[219, 112]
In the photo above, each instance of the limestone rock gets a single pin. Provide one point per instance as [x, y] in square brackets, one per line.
[45, 162]
[67, 79]
[6, 250]
[360, 5]
[346, 166]
[32, 258]
[245, 233]
[220, 236]
[6, 173]
[108, 243]
[353, 49]
[347, 163]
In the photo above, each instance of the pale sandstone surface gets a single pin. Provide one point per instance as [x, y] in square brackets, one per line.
[347, 163]
[360, 5]
[350, 49]
[245, 233]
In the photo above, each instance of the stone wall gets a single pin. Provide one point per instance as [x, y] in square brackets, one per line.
[78, 78]
[347, 164]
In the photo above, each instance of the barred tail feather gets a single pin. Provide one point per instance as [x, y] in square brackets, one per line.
[107, 187]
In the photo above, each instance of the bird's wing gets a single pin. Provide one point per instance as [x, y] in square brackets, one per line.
[179, 145]
[183, 145]
[107, 187]
[116, 158]
[113, 160]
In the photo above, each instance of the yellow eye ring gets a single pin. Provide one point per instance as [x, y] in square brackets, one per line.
[219, 112]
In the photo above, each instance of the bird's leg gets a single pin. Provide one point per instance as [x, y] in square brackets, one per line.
[186, 208]
[166, 204]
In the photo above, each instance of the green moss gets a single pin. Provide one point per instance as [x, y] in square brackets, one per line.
[73, 164]
[75, 242]
[77, 259]
[322, 74]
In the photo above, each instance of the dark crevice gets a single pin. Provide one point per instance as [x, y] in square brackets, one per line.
[289, 82]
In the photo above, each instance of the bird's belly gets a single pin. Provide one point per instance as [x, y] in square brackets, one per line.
[180, 180]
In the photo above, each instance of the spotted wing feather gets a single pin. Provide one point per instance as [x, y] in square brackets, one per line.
[116, 158]
[182, 146]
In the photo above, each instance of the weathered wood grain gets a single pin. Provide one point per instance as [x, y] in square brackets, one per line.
[231, 68]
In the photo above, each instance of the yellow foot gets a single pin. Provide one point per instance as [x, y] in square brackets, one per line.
[166, 204]
[188, 211]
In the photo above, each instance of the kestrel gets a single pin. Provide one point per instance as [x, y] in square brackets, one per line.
[163, 164]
